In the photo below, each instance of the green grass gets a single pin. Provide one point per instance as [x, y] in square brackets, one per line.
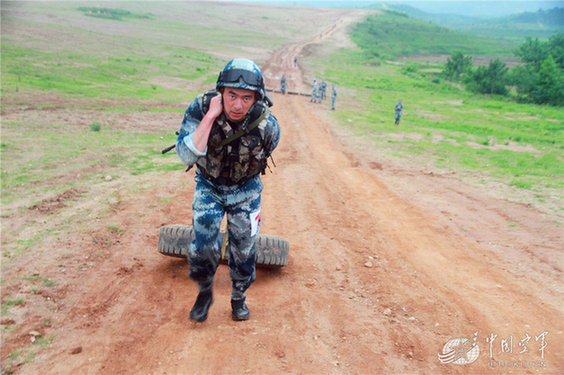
[49, 282]
[6, 305]
[112, 14]
[115, 229]
[512, 32]
[154, 58]
[519, 144]
[391, 35]
[119, 77]
[57, 153]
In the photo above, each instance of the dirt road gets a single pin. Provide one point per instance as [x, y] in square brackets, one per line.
[387, 264]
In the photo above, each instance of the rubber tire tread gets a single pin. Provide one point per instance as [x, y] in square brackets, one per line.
[272, 252]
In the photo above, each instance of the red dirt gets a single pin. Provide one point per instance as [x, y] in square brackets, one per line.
[387, 264]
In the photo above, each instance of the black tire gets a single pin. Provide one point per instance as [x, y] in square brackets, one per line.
[272, 252]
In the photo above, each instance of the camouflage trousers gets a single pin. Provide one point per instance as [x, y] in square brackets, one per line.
[314, 96]
[211, 203]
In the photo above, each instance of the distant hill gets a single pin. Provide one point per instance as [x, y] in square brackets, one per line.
[552, 18]
[482, 9]
[541, 24]
[422, 15]
[394, 34]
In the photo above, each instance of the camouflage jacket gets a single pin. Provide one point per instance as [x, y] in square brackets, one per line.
[236, 161]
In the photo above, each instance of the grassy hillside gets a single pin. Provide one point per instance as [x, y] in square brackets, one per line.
[67, 70]
[487, 140]
[541, 24]
[395, 34]
[130, 50]
[117, 74]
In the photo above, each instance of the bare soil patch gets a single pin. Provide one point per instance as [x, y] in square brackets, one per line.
[53, 204]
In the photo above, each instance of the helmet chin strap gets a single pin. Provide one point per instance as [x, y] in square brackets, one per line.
[248, 116]
[267, 98]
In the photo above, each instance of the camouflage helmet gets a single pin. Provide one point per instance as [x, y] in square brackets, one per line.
[241, 74]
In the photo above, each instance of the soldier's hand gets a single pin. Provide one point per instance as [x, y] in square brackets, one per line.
[216, 106]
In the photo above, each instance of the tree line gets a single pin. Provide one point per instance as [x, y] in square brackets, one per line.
[550, 17]
[539, 80]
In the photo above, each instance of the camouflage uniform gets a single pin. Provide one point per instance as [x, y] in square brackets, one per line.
[283, 84]
[242, 206]
[322, 88]
[314, 92]
[333, 97]
[226, 186]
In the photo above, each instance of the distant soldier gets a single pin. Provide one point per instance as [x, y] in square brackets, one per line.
[314, 92]
[333, 97]
[398, 108]
[322, 88]
[295, 62]
[283, 84]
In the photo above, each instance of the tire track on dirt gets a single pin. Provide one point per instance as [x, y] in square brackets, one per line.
[445, 281]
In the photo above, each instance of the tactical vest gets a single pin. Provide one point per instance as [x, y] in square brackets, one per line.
[235, 153]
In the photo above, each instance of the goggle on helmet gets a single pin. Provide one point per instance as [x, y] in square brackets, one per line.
[241, 74]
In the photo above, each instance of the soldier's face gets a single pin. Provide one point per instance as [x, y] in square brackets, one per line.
[237, 102]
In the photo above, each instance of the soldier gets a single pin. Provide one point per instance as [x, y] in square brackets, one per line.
[314, 92]
[322, 88]
[398, 108]
[283, 84]
[228, 133]
[333, 97]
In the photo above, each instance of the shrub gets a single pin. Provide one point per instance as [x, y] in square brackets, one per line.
[95, 127]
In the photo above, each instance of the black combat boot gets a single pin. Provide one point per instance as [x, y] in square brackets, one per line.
[199, 311]
[240, 310]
